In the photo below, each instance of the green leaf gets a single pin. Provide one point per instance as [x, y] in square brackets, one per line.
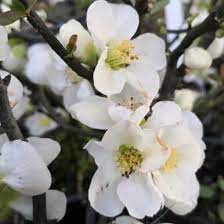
[9, 17]
[221, 211]
[18, 6]
[159, 5]
[206, 192]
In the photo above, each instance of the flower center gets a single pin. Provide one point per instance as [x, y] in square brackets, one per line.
[171, 162]
[44, 122]
[128, 159]
[121, 55]
[130, 103]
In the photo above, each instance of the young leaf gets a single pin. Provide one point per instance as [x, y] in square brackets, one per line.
[206, 192]
[221, 211]
[17, 6]
[159, 5]
[9, 17]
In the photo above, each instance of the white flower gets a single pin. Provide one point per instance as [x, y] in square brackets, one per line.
[16, 60]
[216, 48]
[39, 123]
[4, 47]
[22, 168]
[14, 90]
[123, 60]
[44, 67]
[197, 58]
[125, 158]
[76, 93]
[181, 132]
[55, 204]
[85, 50]
[185, 98]
[102, 113]
[128, 220]
[21, 107]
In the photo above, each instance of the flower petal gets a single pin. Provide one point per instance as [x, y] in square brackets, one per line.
[126, 220]
[23, 168]
[102, 191]
[124, 132]
[47, 148]
[164, 113]
[106, 80]
[151, 49]
[107, 22]
[140, 196]
[93, 112]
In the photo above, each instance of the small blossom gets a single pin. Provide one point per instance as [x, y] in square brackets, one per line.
[186, 98]
[102, 113]
[55, 204]
[216, 48]
[22, 168]
[125, 158]
[39, 123]
[14, 90]
[84, 50]
[197, 58]
[4, 47]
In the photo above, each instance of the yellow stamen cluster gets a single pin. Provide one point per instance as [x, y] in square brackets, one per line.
[121, 55]
[128, 159]
[44, 122]
[172, 161]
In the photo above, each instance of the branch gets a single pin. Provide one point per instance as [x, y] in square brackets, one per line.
[173, 76]
[49, 37]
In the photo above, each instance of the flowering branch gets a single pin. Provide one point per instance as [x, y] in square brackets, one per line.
[49, 37]
[211, 24]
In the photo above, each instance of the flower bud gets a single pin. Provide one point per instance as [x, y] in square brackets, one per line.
[197, 58]
[84, 50]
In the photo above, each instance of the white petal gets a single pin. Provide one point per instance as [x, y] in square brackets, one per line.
[126, 220]
[47, 148]
[21, 107]
[155, 155]
[93, 112]
[164, 113]
[107, 22]
[140, 196]
[96, 150]
[102, 191]
[14, 90]
[3, 140]
[106, 80]
[4, 47]
[124, 132]
[55, 203]
[151, 49]
[194, 123]
[23, 168]
[118, 113]
[142, 78]
[139, 114]
[180, 188]
[77, 92]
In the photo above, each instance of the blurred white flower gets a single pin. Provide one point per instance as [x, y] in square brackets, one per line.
[85, 50]
[21, 107]
[123, 60]
[14, 90]
[125, 158]
[44, 67]
[186, 98]
[216, 48]
[197, 58]
[16, 60]
[39, 123]
[22, 168]
[55, 204]
[4, 47]
[102, 113]
[77, 92]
